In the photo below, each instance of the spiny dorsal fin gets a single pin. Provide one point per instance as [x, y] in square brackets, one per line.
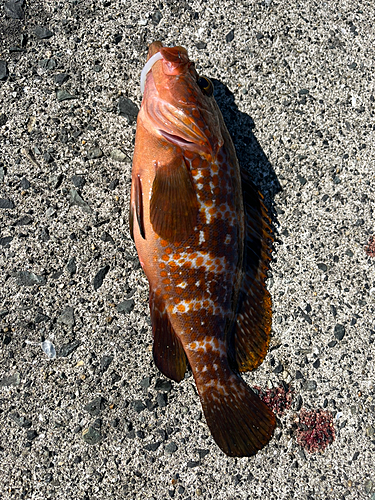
[252, 330]
[169, 355]
[173, 204]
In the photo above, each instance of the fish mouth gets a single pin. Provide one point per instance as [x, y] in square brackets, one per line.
[147, 67]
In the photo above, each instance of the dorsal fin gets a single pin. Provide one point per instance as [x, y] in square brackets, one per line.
[169, 355]
[173, 204]
[252, 331]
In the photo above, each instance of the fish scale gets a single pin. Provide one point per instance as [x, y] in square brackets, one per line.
[202, 238]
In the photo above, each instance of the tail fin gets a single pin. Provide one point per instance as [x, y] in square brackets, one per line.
[239, 421]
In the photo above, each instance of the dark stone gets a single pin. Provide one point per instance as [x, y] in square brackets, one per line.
[126, 306]
[299, 375]
[67, 317]
[47, 64]
[163, 385]
[94, 153]
[201, 45]
[61, 78]
[23, 221]
[14, 9]
[27, 278]
[3, 70]
[3, 119]
[156, 17]
[192, 464]
[339, 331]
[4, 242]
[152, 446]
[67, 349]
[71, 266]
[333, 310]
[332, 343]
[303, 92]
[42, 32]
[40, 318]
[145, 382]
[31, 435]
[76, 199]
[230, 36]
[6, 203]
[128, 109]
[105, 362]
[44, 234]
[91, 435]
[99, 277]
[259, 36]
[301, 179]
[138, 406]
[95, 406]
[162, 400]
[78, 181]
[322, 266]
[48, 158]
[117, 38]
[279, 368]
[113, 184]
[140, 434]
[202, 453]
[310, 385]
[20, 421]
[106, 237]
[24, 183]
[63, 95]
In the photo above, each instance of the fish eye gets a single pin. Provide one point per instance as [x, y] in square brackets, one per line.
[206, 86]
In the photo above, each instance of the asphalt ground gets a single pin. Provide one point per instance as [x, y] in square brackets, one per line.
[84, 412]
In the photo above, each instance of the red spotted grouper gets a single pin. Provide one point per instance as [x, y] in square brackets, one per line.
[202, 236]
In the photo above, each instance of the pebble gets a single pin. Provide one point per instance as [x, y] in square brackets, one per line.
[368, 486]
[163, 385]
[67, 317]
[339, 331]
[105, 362]
[128, 109]
[64, 95]
[145, 382]
[94, 153]
[106, 237]
[23, 221]
[113, 184]
[47, 64]
[71, 266]
[201, 45]
[3, 70]
[162, 400]
[126, 306]
[192, 463]
[3, 120]
[152, 446]
[24, 183]
[138, 406]
[156, 17]
[42, 32]
[68, 348]
[78, 181]
[4, 242]
[14, 9]
[27, 278]
[6, 203]
[76, 199]
[20, 421]
[118, 155]
[99, 277]
[95, 406]
[61, 78]
[9, 380]
[91, 435]
[322, 266]
[310, 385]
[31, 435]
[230, 36]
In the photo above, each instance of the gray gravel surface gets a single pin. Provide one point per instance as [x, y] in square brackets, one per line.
[84, 413]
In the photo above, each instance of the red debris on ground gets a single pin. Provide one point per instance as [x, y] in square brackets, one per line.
[277, 399]
[370, 248]
[315, 430]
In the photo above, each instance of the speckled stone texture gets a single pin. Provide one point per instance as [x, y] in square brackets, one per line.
[84, 413]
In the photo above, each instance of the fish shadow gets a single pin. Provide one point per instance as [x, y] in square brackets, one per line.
[250, 154]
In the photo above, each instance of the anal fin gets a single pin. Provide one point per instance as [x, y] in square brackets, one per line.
[173, 204]
[252, 331]
[169, 355]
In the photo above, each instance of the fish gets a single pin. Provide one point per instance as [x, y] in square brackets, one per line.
[204, 239]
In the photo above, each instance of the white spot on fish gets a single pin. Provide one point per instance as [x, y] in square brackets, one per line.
[201, 237]
[227, 239]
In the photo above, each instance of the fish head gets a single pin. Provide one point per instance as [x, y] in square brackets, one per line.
[178, 106]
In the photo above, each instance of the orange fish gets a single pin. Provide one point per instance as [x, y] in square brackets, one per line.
[202, 236]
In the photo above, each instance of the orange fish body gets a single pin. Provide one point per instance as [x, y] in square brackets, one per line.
[203, 247]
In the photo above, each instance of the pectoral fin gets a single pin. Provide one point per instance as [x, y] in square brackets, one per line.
[169, 355]
[252, 331]
[173, 204]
